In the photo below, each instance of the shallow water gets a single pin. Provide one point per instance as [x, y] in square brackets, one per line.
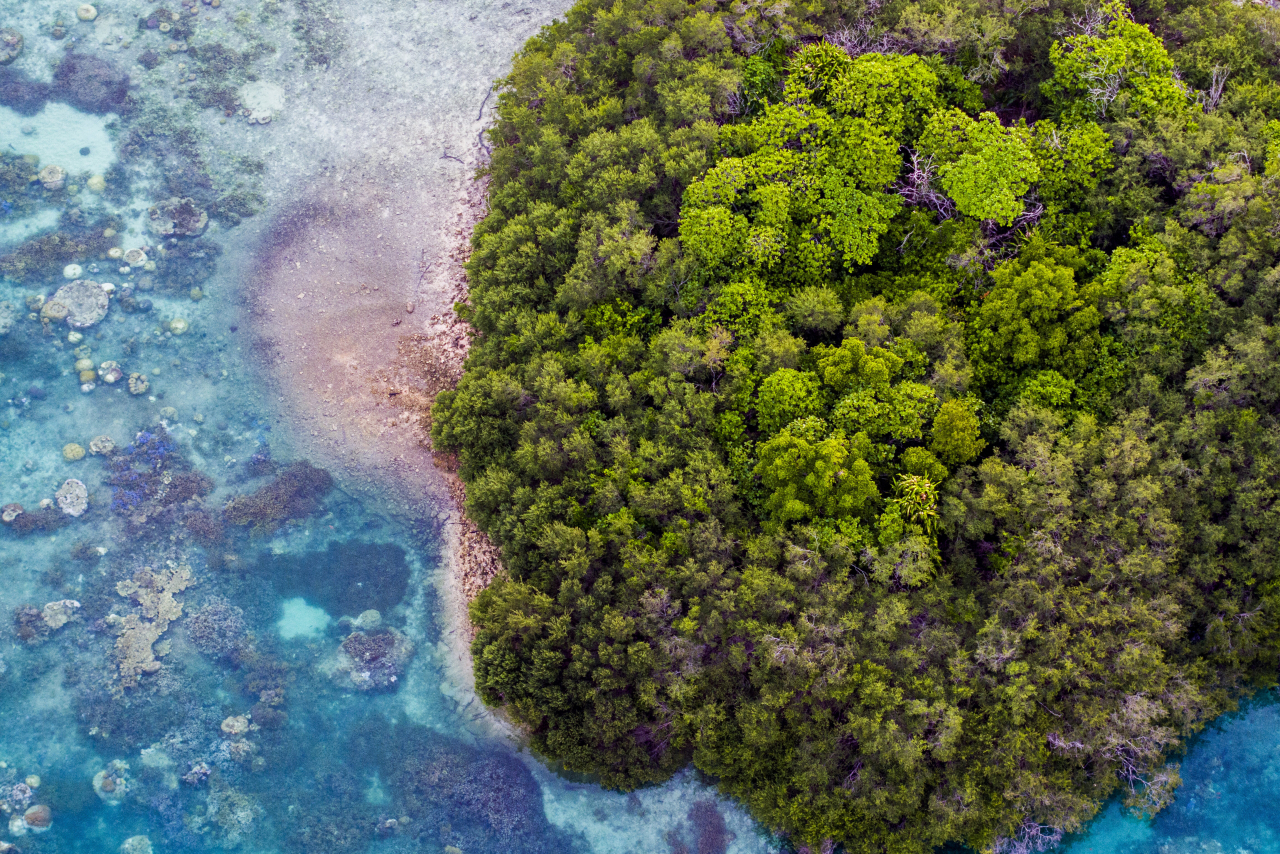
[221, 680]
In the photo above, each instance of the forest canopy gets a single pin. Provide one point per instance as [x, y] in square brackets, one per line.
[876, 404]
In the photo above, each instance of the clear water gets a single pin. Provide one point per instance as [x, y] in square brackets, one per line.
[294, 350]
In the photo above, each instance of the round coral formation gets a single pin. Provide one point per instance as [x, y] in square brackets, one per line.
[111, 372]
[86, 12]
[235, 725]
[373, 660]
[10, 512]
[54, 311]
[73, 495]
[72, 452]
[85, 300]
[138, 383]
[103, 445]
[72, 271]
[96, 183]
[136, 845]
[38, 818]
[135, 257]
[178, 326]
[111, 783]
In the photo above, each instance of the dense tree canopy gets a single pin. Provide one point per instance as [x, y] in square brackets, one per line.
[877, 405]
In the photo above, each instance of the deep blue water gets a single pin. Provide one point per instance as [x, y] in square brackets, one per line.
[243, 643]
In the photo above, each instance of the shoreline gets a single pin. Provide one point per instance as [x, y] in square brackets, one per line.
[356, 345]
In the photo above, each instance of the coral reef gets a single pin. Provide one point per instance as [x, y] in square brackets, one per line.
[346, 578]
[136, 845]
[20, 93]
[178, 217]
[184, 264]
[73, 496]
[72, 452]
[489, 801]
[53, 177]
[29, 624]
[58, 614]
[112, 783]
[8, 314]
[295, 494]
[217, 628]
[44, 519]
[31, 262]
[229, 814]
[154, 593]
[10, 45]
[149, 477]
[91, 84]
[85, 300]
[369, 661]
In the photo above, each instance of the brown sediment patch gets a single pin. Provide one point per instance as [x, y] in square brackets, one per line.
[351, 305]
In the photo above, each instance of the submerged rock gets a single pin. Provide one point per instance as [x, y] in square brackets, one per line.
[8, 314]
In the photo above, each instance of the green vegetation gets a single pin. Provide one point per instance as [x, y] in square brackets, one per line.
[877, 406]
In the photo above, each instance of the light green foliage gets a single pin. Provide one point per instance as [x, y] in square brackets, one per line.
[1072, 159]
[955, 437]
[985, 168]
[892, 92]
[815, 310]
[786, 395]
[806, 197]
[1123, 71]
[812, 473]
[1037, 316]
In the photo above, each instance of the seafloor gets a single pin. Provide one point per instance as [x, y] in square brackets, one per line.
[228, 616]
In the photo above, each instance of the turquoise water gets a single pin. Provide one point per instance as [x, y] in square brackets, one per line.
[1229, 800]
[250, 638]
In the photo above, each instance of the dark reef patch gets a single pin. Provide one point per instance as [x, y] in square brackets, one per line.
[345, 578]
